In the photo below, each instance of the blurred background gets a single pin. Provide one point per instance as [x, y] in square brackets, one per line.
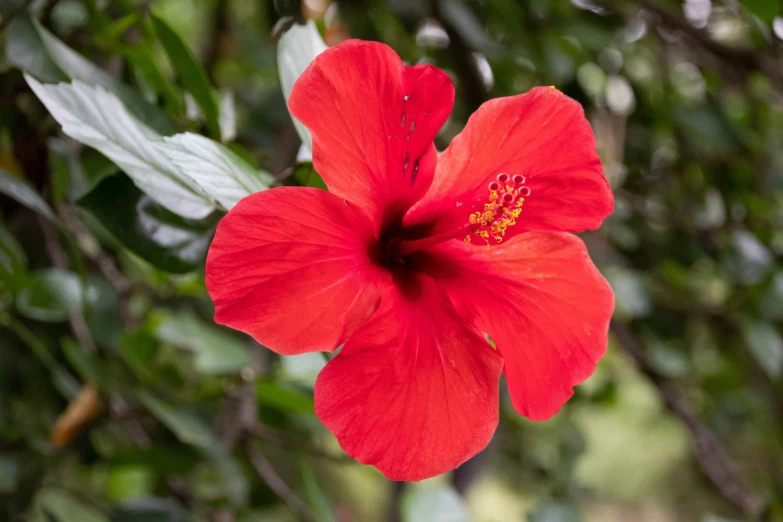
[122, 401]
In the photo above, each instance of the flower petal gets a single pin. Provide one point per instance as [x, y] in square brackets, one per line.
[291, 267]
[542, 135]
[372, 119]
[542, 301]
[414, 392]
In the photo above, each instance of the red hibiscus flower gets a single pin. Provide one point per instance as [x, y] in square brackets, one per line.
[412, 258]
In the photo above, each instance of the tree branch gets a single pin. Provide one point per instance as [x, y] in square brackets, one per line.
[713, 457]
[742, 60]
[60, 261]
[277, 484]
[285, 440]
[103, 261]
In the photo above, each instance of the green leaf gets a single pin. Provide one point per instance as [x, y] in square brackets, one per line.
[191, 73]
[305, 174]
[86, 364]
[193, 431]
[13, 260]
[50, 295]
[555, 512]
[767, 10]
[62, 506]
[130, 482]
[766, 346]
[138, 349]
[315, 495]
[24, 193]
[271, 394]
[217, 351]
[40, 53]
[9, 473]
[187, 427]
[143, 61]
[232, 479]
[433, 504]
[151, 510]
[771, 301]
[25, 51]
[169, 242]
[169, 459]
[102, 311]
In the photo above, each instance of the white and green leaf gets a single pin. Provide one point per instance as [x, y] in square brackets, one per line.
[218, 170]
[97, 118]
[297, 48]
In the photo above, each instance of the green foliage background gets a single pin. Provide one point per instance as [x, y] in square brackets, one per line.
[170, 418]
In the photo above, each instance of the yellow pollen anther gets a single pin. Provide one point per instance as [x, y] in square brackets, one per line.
[500, 211]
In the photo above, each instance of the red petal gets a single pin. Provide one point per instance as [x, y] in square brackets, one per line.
[290, 266]
[414, 392]
[372, 119]
[542, 301]
[542, 135]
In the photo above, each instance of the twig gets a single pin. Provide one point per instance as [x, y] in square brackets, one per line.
[104, 263]
[60, 261]
[219, 32]
[119, 409]
[393, 514]
[285, 440]
[276, 483]
[713, 457]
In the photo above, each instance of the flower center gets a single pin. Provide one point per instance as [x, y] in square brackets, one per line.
[506, 196]
[503, 206]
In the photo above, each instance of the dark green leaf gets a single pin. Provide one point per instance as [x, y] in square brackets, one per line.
[305, 174]
[271, 394]
[50, 295]
[166, 240]
[13, 260]
[86, 364]
[316, 496]
[232, 480]
[169, 459]
[12, 7]
[102, 311]
[191, 73]
[24, 193]
[151, 510]
[143, 60]
[38, 55]
[138, 349]
[187, 427]
[25, 51]
[64, 507]
[767, 10]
